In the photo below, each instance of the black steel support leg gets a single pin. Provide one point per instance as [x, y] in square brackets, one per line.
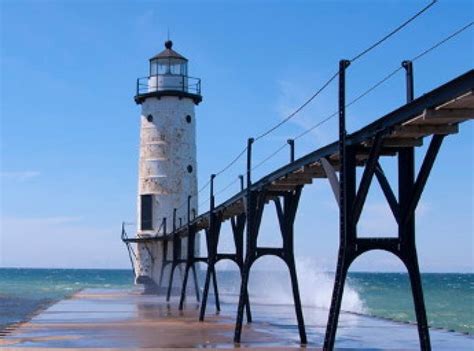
[247, 301]
[238, 226]
[336, 301]
[162, 272]
[216, 290]
[347, 195]
[163, 263]
[286, 217]
[405, 246]
[297, 300]
[408, 254]
[205, 293]
[243, 299]
[211, 271]
[254, 211]
[183, 288]
[170, 284]
[196, 283]
[190, 264]
[419, 302]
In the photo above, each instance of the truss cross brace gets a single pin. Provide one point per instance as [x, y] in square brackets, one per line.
[286, 213]
[351, 206]
[238, 226]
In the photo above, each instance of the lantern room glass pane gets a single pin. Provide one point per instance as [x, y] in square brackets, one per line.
[163, 68]
[168, 66]
[153, 68]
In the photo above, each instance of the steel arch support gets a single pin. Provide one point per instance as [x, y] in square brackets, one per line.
[286, 214]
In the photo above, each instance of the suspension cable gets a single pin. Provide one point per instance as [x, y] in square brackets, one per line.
[232, 162]
[356, 57]
[294, 113]
[370, 89]
[227, 187]
[325, 85]
[393, 32]
[435, 46]
[273, 154]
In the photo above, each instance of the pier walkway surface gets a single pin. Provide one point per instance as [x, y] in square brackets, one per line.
[125, 319]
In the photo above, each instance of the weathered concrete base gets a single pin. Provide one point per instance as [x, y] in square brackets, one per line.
[113, 319]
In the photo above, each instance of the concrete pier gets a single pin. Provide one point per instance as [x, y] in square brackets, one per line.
[124, 319]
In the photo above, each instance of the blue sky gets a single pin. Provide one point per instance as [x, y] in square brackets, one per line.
[69, 125]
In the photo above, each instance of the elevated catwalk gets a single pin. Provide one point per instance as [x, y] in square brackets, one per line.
[429, 119]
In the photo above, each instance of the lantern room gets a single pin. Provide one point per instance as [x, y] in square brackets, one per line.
[168, 62]
[168, 77]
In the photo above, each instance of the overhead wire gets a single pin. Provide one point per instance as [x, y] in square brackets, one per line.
[294, 113]
[231, 163]
[356, 57]
[204, 187]
[273, 154]
[226, 187]
[320, 90]
[393, 32]
[435, 46]
[202, 203]
[334, 114]
[369, 90]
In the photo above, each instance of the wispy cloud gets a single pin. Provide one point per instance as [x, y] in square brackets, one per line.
[20, 176]
[291, 97]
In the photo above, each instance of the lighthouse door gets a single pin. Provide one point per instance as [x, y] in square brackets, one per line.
[146, 202]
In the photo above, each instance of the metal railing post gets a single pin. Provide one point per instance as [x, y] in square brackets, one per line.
[241, 177]
[174, 219]
[249, 161]
[212, 199]
[343, 64]
[189, 209]
[342, 264]
[291, 142]
[408, 65]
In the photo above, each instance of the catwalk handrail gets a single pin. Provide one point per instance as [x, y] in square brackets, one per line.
[458, 86]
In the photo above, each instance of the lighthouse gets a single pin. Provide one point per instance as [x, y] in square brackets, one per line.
[167, 157]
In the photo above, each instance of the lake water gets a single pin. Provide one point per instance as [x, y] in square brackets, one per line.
[449, 297]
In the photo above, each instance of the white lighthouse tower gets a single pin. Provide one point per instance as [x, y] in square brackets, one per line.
[167, 163]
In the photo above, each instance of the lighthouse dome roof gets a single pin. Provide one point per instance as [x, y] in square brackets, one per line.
[169, 53]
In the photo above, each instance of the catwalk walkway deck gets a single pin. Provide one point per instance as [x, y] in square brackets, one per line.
[429, 118]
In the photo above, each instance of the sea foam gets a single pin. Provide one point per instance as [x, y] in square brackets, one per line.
[315, 286]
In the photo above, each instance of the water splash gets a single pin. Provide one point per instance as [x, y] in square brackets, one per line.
[315, 288]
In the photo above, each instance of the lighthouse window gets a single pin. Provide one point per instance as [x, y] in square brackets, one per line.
[190, 168]
[146, 205]
[188, 118]
[149, 118]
